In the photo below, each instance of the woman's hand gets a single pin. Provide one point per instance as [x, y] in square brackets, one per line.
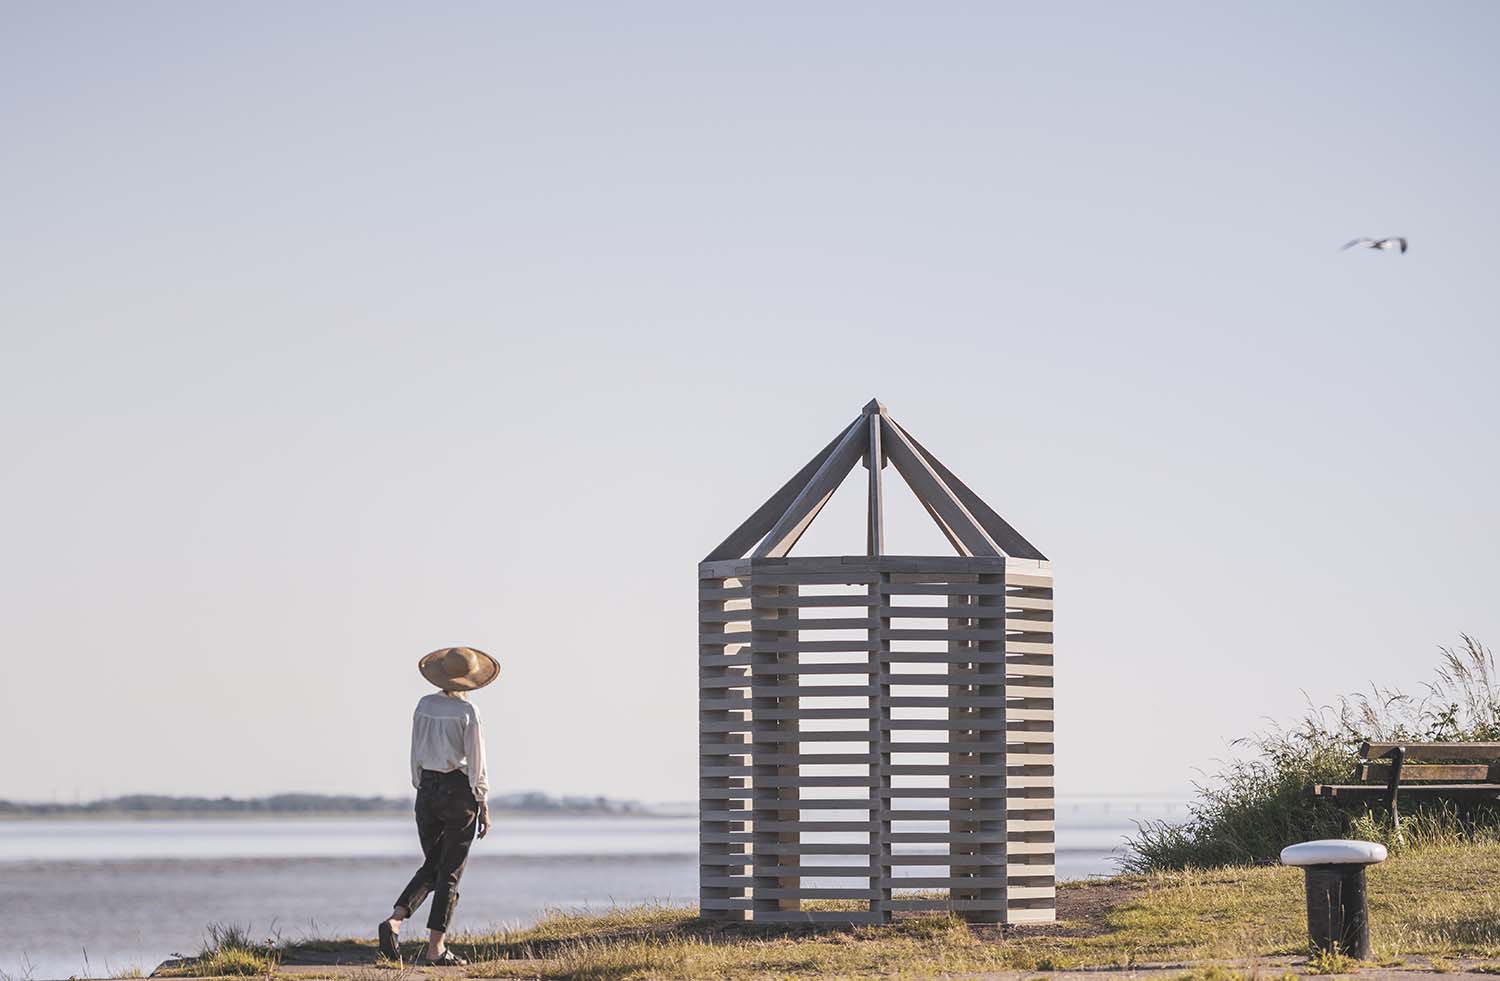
[484, 819]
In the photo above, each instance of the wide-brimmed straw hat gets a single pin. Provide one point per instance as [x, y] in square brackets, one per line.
[459, 668]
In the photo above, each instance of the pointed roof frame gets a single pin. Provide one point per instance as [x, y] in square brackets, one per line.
[970, 525]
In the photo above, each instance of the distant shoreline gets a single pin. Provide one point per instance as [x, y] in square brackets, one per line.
[310, 815]
[157, 807]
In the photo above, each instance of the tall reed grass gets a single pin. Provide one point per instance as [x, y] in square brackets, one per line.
[1259, 803]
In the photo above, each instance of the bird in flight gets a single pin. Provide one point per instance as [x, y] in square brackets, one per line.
[1395, 242]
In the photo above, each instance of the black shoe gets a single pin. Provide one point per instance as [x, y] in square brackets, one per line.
[448, 959]
[388, 946]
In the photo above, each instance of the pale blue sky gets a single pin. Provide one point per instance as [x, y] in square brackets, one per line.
[333, 334]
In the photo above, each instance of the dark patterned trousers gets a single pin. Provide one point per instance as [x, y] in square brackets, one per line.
[446, 820]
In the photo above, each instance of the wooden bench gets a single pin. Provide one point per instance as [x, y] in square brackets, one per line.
[1458, 771]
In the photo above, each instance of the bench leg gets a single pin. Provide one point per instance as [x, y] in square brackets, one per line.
[1398, 757]
[1337, 916]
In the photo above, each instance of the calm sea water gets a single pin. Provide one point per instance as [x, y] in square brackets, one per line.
[108, 895]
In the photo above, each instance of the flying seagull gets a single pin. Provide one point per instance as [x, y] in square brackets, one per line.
[1395, 242]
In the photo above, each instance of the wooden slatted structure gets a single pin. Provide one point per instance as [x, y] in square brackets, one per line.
[876, 728]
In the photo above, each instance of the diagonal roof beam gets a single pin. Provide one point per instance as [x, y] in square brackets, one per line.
[1012, 541]
[849, 450]
[875, 502]
[743, 538]
[934, 493]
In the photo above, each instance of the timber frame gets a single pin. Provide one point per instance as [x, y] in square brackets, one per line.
[873, 726]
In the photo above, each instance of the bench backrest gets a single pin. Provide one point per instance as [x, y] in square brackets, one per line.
[1440, 762]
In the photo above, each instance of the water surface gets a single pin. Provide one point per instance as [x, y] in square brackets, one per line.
[130, 893]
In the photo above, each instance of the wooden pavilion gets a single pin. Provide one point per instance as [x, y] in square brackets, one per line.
[875, 728]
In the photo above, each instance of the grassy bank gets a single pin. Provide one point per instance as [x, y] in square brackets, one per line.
[1429, 906]
[1259, 803]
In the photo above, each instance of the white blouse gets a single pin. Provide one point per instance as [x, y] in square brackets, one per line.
[446, 736]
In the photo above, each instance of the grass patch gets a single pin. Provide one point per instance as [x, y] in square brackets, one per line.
[1331, 962]
[228, 951]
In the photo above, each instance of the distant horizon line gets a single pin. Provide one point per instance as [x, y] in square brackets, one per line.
[1164, 796]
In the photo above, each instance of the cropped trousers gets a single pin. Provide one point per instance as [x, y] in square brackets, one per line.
[446, 819]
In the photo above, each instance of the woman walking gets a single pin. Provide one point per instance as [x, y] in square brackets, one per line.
[447, 768]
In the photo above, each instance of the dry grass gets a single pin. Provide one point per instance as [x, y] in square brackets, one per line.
[1422, 903]
[227, 951]
[1423, 906]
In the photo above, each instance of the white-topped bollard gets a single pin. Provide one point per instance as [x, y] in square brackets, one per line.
[1337, 916]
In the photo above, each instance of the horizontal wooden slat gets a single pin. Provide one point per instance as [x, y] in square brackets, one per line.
[796, 646]
[725, 701]
[806, 602]
[1017, 914]
[786, 624]
[817, 848]
[942, 589]
[815, 691]
[941, 633]
[949, 747]
[809, 780]
[732, 816]
[1381, 772]
[947, 657]
[852, 917]
[724, 616]
[731, 679]
[808, 826]
[943, 882]
[948, 837]
[951, 679]
[1030, 892]
[851, 578]
[718, 659]
[938, 905]
[1020, 845]
[822, 871]
[829, 736]
[716, 593]
[728, 725]
[800, 714]
[833, 892]
[824, 804]
[1413, 790]
[770, 670]
[946, 701]
[815, 759]
[1488, 752]
[993, 611]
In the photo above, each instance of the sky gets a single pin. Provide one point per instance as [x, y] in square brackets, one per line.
[332, 334]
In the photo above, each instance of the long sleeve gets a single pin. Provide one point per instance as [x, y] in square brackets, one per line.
[416, 762]
[479, 779]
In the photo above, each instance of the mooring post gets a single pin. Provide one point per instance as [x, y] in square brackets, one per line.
[1338, 918]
